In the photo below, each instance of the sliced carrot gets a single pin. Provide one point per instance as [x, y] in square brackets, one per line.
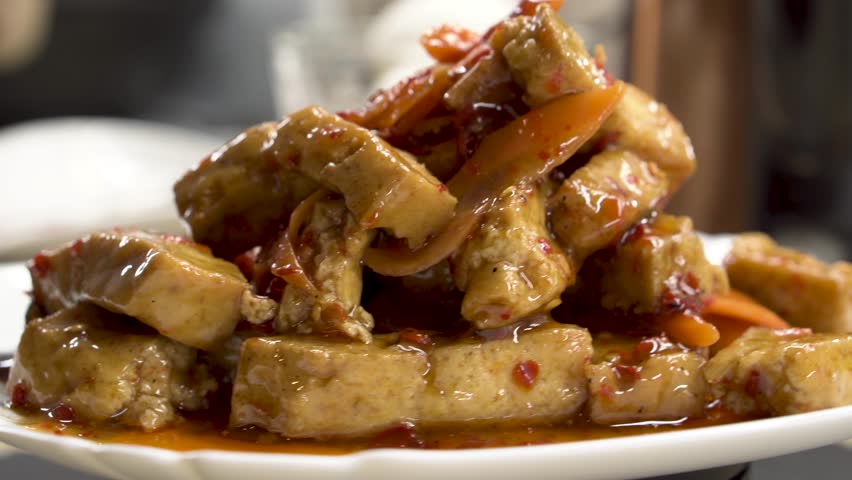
[690, 330]
[527, 148]
[449, 43]
[739, 306]
[729, 330]
[734, 313]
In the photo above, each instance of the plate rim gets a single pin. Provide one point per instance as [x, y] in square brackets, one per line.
[822, 427]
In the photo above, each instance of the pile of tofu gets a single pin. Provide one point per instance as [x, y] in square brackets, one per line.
[140, 328]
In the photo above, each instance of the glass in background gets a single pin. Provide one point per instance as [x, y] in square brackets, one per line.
[343, 51]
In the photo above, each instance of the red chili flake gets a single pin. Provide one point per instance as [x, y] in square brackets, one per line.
[41, 264]
[554, 83]
[606, 392]
[306, 239]
[506, 313]
[333, 316]
[246, 262]
[270, 160]
[62, 413]
[372, 218]
[275, 289]
[19, 395]
[794, 332]
[545, 245]
[626, 372]
[179, 240]
[169, 238]
[525, 373]
[752, 386]
[442, 188]
[610, 80]
[76, 247]
[294, 159]
[644, 348]
[692, 281]
[410, 335]
[399, 436]
[527, 7]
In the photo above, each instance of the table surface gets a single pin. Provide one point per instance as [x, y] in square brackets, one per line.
[827, 463]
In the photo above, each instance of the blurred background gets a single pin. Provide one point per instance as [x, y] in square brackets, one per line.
[104, 102]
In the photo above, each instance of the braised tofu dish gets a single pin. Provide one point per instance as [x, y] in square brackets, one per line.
[482, 247]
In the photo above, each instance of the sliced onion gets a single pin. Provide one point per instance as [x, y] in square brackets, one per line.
[528, 148]
[287, 265]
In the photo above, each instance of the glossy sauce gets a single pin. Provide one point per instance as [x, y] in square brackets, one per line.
[202, 434]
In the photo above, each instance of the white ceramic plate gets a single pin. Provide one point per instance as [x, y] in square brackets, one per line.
[620, 458]
[65, 177]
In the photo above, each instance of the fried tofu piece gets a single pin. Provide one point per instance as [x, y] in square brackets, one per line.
[236, 197]
[601, 200]
[166, 282]
[488, 81]
[647, 128]
[381, 185]
[333, 257]
[803, 290]
[666, 386]
[782, 372]
[96, 366]
[510, 269]
[537, 378]
[546, 57]
[658, 267]
[307, 387]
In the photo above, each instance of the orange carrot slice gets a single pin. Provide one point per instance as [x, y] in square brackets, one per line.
[734, 313]
[690, 330]
[739, 306]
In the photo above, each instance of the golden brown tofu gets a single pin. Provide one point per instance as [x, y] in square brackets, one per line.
[546, 57]
[381, 185]
[333, 258]
[534, 376]
[803, 290]
[488, 81]
[235, 199]
[602, 200]
[302, 386]
[645, 127]
[782, 372]
[166, 282]
[306, 387]
[92, 365]
[666, 386]
[511, 268]
[660, 266]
